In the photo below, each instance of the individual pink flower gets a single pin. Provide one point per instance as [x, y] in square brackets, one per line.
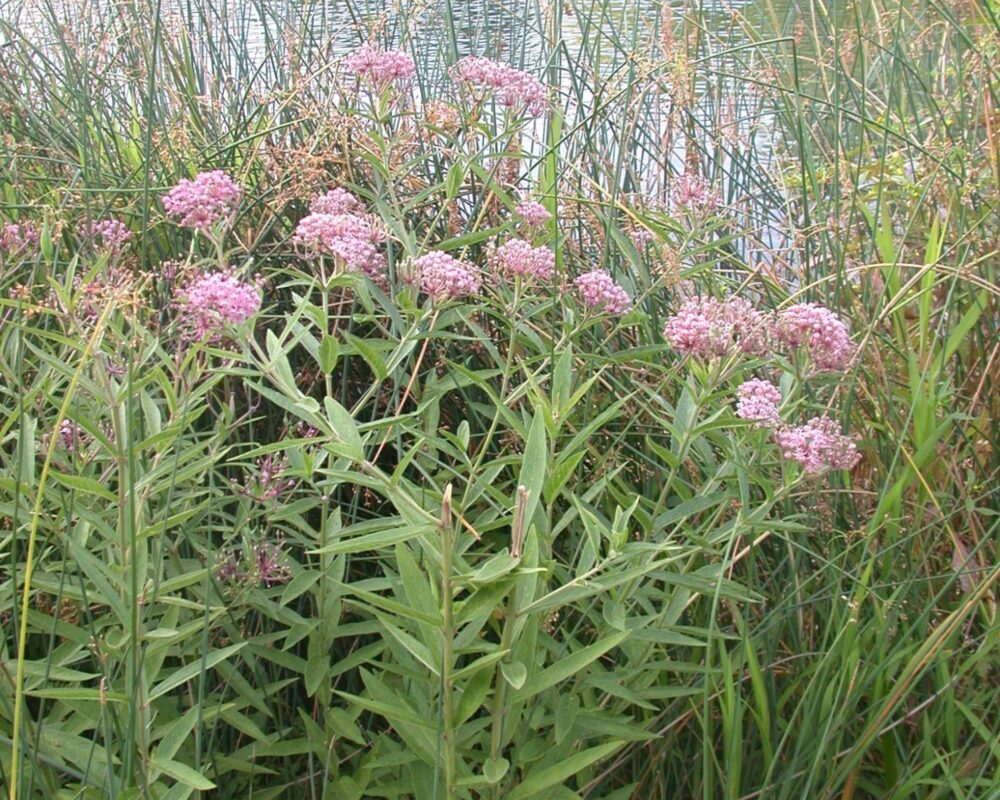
[600, 292]
[511, 87]
[215, 300]
[691, 192]
[706, 327]
[820, 331]
[443, 277]
[209, 198]
[380, 67]
[107, 235]
[758, 400]
[517, 258]
[818, 445]
[336, 201]
[18, 236]
[532, 213]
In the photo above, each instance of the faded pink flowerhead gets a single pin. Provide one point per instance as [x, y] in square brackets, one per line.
[758, 400]
[640, 237]
[263, 564]
[209, 198]
[517, 258]
[692, 193]
[820, 331]
[443, 277]
[599, 292]
[706, 327]
[71, 436]
[107, 235]
[510, 87]
[18, 236]
[818, 445]
[380, 67]
[216, 299]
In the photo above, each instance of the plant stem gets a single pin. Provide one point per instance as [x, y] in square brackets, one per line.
[448, 636]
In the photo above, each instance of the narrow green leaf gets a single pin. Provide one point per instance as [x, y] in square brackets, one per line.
[193, 669]
[565, 768]
[182, 773]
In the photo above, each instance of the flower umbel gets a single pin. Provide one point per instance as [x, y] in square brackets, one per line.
[209, 198]
[818, 445]
[758, 400]
[18, 236]
[444, 277]
[263, 565]
[706, 327]
[335, 201]
[693, 193]
[380, 67]
[216, 299]
[532, 213]
[349, 238]
[517, 258]
[511, 87]
[600, 292]
[107, 235]
[820, 331]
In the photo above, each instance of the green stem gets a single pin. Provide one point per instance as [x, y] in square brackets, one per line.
[22, 637]
[447, 656]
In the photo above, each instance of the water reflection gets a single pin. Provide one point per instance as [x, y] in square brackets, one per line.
[645, 118]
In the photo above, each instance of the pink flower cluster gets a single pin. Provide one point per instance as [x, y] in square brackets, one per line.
[209, 198]
[264, 565]
[337, 228]
[823, 334]
[349, 238]
[818, 445]
[335, 201]
[640, 237]
[109, 235]
[216, 299]
[17, 236]
[271, 481]
[532, 213]
[518, 258]
[758, 400]
[71, 436]
[380, 67]
[600, 292]
[693, 193]
[318, 232]
[443, 277]
[706, 327]
[511, 87]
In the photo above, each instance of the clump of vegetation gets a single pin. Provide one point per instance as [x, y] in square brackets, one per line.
[603, 413]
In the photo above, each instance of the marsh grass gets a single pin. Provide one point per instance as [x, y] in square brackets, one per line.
[688, 616]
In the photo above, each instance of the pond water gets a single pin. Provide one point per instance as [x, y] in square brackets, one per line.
[591, 50]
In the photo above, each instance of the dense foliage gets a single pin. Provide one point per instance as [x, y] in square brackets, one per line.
[607, 413]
